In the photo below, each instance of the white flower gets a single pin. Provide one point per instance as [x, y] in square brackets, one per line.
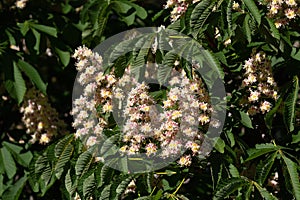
[227, 42]
[44, 139]
[204, 119]
[254, 96]
[185, 161]
[91, 141]
[107, 107]
[235, 5]
[291, 2]
[265, 107]
[176, 114]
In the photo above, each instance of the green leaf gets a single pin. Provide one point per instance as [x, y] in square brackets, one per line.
[9, 163]
[294, 176]
[24, 27]
[105, 194]
[274, 31]
[290, 104]
[200, 14]
[33, 74]
[64, 56]
[105, 175]
[213, 63]
[261, 149]
[263, 168]
[247, 29]
[11, 38]
[230, 136]
[234, 171]
[89, 186]
[219, 145]
[22, 158]
[2, 187]
[19, 84]
[123, 185]
[138, 66]
[69, 184]
[46, 29]
[15, 190]
[83, 163]
[43, 169]
[245, 120]
[101, 22]
[164, 70]
[296, 138]
[250, 4]
[140, 11]
[63, 152]
[270, 115]
[227, 187]
[121, 7]
[265, 193]
[37, 36]
[129, 20]
[229, 17]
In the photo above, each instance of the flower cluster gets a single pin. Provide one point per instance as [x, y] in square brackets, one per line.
[259, 84]
[172, 131]
[282, 11]
[166, 128]
[179, 7]
[96, 94]
[40, 119]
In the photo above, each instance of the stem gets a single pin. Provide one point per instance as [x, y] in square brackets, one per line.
[174, 193]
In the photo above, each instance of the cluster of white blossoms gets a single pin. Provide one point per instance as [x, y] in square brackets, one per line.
[179, 7]
[173, 130]
[282, 11]
[40, 119]
[97, 92]
[21, 4]
[168, 128]
[259, 84]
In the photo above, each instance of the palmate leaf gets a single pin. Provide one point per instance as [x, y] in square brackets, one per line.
[290, 104]
[294, 176]
[229, 186]
[250, 4]
[264, 167]
[200, 14]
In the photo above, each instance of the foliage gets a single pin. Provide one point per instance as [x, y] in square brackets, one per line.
[256, 156]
